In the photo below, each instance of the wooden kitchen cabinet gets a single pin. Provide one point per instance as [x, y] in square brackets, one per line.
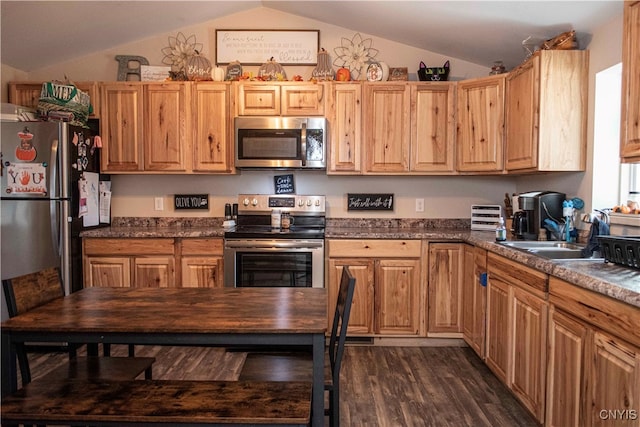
[433, 127]
[167, 126]
[129, 262]
[480, 127]
[213, 148]
[27, 94]
[594, 359]
[446, 274]
[275, 99]
[517, 313]
[630, 115]
[344, 113]
[121, 127]
[474, 298]
[389, 288]
[201, 263]
[386, 127]
[546, 112]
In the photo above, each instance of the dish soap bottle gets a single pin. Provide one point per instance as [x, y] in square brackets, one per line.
[501, 231]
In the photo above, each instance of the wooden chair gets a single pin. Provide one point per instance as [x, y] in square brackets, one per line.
[297, 366]
[32, 290]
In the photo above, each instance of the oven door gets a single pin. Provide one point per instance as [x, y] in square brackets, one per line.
[274, 263]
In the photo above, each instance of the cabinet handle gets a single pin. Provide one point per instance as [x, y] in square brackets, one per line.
[483, 279]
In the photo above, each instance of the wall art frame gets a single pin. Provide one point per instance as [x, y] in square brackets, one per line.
[255, 47]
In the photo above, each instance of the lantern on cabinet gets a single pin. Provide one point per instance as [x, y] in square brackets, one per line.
[272, 70]
[198, 68]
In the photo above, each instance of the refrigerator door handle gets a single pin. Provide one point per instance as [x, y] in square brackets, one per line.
[54, 183]
[55, 226]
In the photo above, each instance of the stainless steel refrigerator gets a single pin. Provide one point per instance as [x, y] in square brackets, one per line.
[42, 206]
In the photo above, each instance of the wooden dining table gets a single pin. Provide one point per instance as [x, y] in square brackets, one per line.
[223, 317]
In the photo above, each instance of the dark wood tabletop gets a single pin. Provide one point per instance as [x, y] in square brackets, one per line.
[178, 316]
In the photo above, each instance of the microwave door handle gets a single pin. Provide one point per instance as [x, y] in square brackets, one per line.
[303, 144]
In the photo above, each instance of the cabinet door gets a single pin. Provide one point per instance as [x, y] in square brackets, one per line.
[474, 298]
[26, 94]
[301, 99]
[397, 293]
[498, 315]
[258, 99]
[565, 370]
[361, 316]
[445, 281]
[166, 126]
[528, 329]
[107, 272]
[615, 382]
[480, 131]
[432, 127]
[521, 111]
[201, 272]
[213, 139]
[345, 125]
[121, 127]
[154, 272]
[387, 128]
[630, 118]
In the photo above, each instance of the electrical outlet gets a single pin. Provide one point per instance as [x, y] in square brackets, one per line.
[419, 205]
[159, 203]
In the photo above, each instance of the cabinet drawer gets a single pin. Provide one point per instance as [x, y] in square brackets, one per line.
[202, 247]
[128, 246]
[375, 248]
[518, 275]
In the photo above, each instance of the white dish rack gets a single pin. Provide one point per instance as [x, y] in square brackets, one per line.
[485, 217]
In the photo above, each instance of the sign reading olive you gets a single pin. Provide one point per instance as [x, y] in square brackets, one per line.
[369, 202]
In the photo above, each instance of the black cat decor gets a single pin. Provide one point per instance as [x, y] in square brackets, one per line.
[433, 73]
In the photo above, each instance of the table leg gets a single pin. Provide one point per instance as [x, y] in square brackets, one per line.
[317, 399]
[8, 368]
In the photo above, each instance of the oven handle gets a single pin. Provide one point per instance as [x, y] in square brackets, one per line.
[303, 139]
[244, 244]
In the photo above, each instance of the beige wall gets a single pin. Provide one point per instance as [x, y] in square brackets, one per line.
[445, 197]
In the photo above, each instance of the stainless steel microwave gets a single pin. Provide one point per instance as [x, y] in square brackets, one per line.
[281, 142]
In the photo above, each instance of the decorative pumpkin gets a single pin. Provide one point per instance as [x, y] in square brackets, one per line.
[234, 71]
[343, 74]
[198, 68]
[218, 74]
[271, 70]
[377, 71]
[324, 70]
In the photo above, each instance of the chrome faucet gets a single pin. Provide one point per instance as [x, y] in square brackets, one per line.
[601, 214]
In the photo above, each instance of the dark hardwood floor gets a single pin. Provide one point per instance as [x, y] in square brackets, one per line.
[380, 386]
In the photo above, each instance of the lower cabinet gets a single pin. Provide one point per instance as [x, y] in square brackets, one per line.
[517, 330]
[388, 294]
[594, 359]
[446, 273]
[157, 263]
[474, 298]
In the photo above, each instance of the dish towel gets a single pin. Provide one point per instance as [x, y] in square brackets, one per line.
[598, 228]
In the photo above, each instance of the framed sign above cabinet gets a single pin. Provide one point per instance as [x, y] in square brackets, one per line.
[254, 47]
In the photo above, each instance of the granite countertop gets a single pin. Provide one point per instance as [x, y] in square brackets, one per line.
[616, 281]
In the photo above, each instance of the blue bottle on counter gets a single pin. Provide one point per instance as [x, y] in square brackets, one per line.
[501, 231]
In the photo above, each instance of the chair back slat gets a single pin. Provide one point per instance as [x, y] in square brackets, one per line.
[32, 290]
[341, 321]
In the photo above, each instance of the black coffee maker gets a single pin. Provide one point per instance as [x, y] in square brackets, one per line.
[535, 207]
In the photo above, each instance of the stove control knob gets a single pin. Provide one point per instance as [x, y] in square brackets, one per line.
[254, 202]
[245, 202]
[317, 202]
[301, 203]
[309, 202]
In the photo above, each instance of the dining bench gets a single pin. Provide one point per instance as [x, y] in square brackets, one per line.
[99, 402]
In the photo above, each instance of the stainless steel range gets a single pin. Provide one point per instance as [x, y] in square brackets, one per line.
[278, 241]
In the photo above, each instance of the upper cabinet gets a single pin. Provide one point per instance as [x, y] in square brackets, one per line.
[275, 99]
[27, 94]
[546, 112]
[480, 132]
[149, 127]
[344, 112]
[630, 119]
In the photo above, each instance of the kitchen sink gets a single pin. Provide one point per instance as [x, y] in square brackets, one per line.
[562, 251]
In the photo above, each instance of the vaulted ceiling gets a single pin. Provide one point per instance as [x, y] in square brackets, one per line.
[37, 34]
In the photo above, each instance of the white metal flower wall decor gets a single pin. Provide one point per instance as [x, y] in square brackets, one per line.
[354, 54]
[179, 51]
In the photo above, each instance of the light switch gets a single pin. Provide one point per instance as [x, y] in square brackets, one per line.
[419, 205]
[159, 203]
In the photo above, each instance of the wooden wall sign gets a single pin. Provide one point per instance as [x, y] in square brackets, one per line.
[369, 202]
[254, 47]
[284, 184]
[191, 201]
